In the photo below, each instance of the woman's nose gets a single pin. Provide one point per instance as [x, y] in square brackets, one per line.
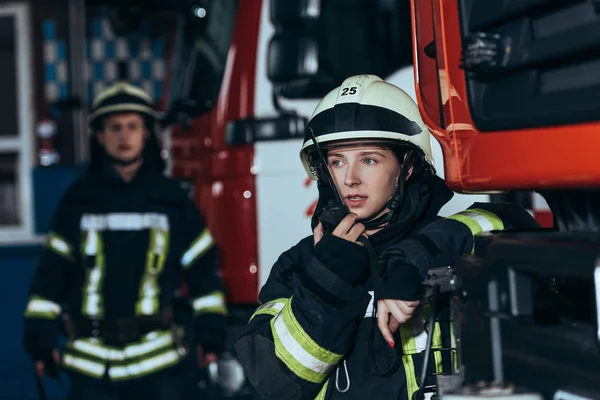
[352, 177]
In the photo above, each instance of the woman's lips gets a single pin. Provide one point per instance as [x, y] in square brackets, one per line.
[356, 201]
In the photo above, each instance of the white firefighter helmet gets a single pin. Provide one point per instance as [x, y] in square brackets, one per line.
[365, 108]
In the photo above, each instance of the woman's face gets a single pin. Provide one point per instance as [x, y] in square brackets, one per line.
[366, 177]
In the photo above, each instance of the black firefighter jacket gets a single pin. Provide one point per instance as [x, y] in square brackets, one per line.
[309, 338]
[116, 252]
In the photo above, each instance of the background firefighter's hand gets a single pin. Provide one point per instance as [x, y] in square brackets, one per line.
[347, 229]
[392, 313]
[204, 360]
[40, 366]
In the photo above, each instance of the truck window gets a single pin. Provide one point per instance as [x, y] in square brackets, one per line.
[201, 47]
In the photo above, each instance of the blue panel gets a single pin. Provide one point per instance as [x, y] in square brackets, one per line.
[63, 90]
[158, 48]
[96, 28]
[146, 70]
[49, 185]
[61, 50]
[110, 49]
[157, 90]
[49, 29]
[16, 369]
[50, 72]
[98, 71]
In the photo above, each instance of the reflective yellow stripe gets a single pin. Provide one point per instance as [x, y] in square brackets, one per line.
[409, 347]
[93, 304]
[323, 392]
[272, 307]
[149, 291]
[298, 351]
[60, 245]
[39, 307]
[199, 246]
[86, 367]
[145, 367]
[478, 220]
[213, 303]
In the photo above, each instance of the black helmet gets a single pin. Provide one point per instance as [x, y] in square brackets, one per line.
[119, 98]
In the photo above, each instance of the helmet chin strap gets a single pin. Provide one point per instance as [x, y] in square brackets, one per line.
[395, 203]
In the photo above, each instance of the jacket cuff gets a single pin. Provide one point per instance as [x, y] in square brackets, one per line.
[346, 259]
[40, 337]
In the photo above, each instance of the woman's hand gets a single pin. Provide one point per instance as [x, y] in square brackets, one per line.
[391, 313]
[347, 229]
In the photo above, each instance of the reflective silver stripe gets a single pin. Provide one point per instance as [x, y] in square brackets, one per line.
[84, 366]
[300, 356]
[90, 347]
[153, 341]
[369, 310]
[144, 367]
[272, 307]
[39, 306]
[417, 322]
[212, 302]
[485, 224]
[59, 245]
[478, 220]
[415, 328]
[91, 243]
[277, 305]
[124, 222]
[202, 243]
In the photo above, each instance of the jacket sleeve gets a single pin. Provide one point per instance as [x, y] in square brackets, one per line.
[52, 281]
[441, 243]
[199, 264]
[310, 309]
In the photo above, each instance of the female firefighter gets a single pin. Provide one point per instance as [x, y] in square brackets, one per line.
[120, 239]
[315, 334]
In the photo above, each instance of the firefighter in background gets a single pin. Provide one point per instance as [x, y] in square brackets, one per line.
[120, 240]
[311, 337]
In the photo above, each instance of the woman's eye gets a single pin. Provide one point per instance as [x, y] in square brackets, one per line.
[370, 161]
[336, 163]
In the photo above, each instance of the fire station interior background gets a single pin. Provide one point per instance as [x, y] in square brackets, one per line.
[233, 107]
